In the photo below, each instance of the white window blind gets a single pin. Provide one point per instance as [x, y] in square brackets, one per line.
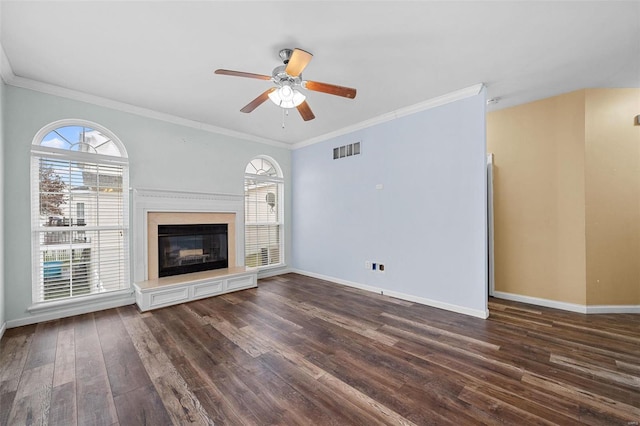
[79, 223]
[263, 187]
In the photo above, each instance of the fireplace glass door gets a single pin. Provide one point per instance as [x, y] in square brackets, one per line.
[183, 249]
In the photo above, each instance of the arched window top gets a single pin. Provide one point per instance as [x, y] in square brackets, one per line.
[262, 166]
[80, 136]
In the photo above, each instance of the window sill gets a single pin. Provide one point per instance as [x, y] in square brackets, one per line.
[41, 307]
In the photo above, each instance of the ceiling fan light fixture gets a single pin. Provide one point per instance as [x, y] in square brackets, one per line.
[287, 80]
[287, 97]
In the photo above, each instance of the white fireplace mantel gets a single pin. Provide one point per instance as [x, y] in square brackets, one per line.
[152, 200]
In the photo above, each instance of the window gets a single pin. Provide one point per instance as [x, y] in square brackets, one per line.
[263, 188]
[80, 200]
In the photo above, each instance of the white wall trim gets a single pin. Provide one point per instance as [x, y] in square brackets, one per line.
[613, 309]
[87, 300]
[90, 306]
[571, 307]
[13, 80]
[490, 226]
[412, 109]
[423, 301]
[273, 272]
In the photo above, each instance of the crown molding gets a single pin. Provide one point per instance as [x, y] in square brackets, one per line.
[11, 79]
[412, 109]
[51, 89]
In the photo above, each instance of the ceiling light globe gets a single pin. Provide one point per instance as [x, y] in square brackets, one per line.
[286, 93]
[287, 97]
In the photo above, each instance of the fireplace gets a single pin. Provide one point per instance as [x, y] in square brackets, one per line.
[154, 208]
[186, 248]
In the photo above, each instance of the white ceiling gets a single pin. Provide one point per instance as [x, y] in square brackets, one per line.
[160, 55]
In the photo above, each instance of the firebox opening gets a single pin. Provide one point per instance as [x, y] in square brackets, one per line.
[183, 249]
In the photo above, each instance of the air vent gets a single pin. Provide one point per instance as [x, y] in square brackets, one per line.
[346, 150]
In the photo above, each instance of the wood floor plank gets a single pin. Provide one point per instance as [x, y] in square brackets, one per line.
[33, 397]
[298, 350]
[180, 402]
[201, 371]
[65, 359]
[615, 410]
[93, 392]
[441, 331]
[141, 407]
[63, 404]
[123, 364]
[501, 410]
[6, 402]
[321, 408]
[14, 348]
[43, 347]
[610, 375]
[13, 353]
[182, 405]
[210, 399]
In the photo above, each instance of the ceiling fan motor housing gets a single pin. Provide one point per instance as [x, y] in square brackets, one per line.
[280, 76]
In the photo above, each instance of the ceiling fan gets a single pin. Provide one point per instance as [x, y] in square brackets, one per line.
[288, 80]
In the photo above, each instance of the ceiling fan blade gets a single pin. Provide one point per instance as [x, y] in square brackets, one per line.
[298, 62]
[242, 74]
[258, 101]
[305, 111]
[331, 89]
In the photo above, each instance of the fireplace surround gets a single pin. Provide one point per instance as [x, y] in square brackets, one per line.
[154, 209]
[157, 220]
[162, 207]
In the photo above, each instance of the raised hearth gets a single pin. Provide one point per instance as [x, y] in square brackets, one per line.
[167, 291]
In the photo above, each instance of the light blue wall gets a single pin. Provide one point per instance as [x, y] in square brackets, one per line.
[162, 156]
[428, 223]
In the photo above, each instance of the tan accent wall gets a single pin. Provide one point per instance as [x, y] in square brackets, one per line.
[539, 198]
[567, 197]
[612, 144]
[179, 218]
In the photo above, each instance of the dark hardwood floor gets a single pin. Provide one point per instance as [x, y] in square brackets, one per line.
[298, 350]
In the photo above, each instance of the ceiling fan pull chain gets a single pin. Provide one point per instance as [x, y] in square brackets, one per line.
[283, 110]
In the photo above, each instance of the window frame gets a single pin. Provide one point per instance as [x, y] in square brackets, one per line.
[38, 151]
[279, 180]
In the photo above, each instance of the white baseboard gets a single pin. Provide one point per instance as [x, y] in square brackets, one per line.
[267, 273]
[2, 329]
[613, 309]
[408, 297]
[71, 311]
[571, 307]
